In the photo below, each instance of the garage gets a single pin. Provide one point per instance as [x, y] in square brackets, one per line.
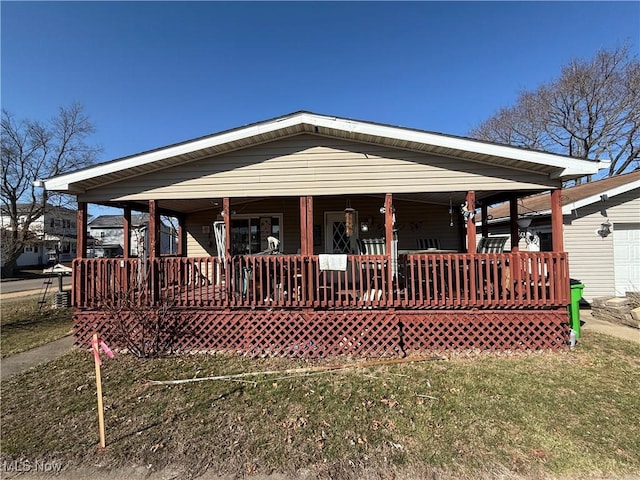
[626, 255]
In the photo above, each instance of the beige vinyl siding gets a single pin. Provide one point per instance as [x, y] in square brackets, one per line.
[414, 220]
[199, 243]
[591, 256]
[314, 165]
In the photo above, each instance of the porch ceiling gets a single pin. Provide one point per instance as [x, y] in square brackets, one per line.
[204, 204]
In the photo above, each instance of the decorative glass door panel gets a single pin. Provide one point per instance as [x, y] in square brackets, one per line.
[336, 240]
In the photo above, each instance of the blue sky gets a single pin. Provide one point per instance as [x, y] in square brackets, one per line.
[155, 73]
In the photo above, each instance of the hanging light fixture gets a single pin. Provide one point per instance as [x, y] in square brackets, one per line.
[524, 222]
[349, 216]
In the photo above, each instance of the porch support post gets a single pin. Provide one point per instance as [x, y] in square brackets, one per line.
[81, 230]
[485, 220]
[126, 232]
[79, 268]
[388, 222]
[226, 215]
[557, 239]
[471, 223]
[513, 222]
[182, 238]
[309, 225]
[154, 250]
[303, 226]
[154, 229]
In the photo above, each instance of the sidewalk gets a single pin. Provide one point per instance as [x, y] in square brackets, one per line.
[590, 323]
[24, 361]
[21, 294]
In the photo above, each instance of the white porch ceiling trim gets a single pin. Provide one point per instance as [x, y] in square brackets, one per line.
[566, 166]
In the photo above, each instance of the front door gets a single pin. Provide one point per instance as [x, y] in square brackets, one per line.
[336, 239]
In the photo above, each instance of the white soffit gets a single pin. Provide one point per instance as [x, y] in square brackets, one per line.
[566, 166]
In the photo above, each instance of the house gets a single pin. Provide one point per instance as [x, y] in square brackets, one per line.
[107, 236]
[54, 235]
[301, 236]
[601, 225]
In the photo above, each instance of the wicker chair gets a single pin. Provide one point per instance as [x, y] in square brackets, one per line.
[428, 243]
[492, 244]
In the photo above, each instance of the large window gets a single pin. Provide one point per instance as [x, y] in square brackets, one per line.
[249, 233]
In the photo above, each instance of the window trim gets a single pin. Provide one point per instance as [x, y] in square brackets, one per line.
[248, 216]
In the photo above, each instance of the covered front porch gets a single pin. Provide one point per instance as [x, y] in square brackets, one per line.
[406, 300]
[312, 235]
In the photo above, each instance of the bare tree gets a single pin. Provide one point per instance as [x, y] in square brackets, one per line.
[33, 150]
[592, 111]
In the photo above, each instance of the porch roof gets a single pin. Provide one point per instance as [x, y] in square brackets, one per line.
[551, 165]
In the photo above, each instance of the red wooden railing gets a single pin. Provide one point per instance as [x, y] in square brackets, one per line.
[485, 280]
[423, 281]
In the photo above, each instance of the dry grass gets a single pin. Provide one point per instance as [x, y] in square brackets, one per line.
[532, 415]
[23, 325]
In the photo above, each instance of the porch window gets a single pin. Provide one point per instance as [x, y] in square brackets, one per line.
[546, 244]
[249, 233]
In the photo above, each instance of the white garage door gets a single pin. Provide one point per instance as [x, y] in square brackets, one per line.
[626, 255]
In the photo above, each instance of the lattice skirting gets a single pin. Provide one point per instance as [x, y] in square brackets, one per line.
[323, 334]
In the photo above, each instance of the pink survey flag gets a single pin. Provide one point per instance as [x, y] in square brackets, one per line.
[96, 346]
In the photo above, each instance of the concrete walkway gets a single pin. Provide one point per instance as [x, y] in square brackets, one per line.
[608, 328]
[24, 361]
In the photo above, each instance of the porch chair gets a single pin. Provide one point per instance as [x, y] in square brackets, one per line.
[428, 243]
[373, 246]
[492, 244]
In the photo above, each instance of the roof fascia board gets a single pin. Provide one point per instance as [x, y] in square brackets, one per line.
[568, 165]
[568, 173]
[62, 182]
[570, 207]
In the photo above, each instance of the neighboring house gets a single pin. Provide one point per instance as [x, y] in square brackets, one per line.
[601, 232]
[107, 236]
[54, 236]
[372, 234]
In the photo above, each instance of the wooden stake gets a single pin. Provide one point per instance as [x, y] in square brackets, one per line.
[96, 358]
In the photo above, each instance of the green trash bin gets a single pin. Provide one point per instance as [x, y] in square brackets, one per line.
[574, 307]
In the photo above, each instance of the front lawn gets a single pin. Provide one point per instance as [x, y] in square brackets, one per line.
[569, 414]
[23, 325]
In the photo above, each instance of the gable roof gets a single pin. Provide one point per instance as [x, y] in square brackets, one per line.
[117, 221]
[555, 166]
[24, 208]
[572, 197]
